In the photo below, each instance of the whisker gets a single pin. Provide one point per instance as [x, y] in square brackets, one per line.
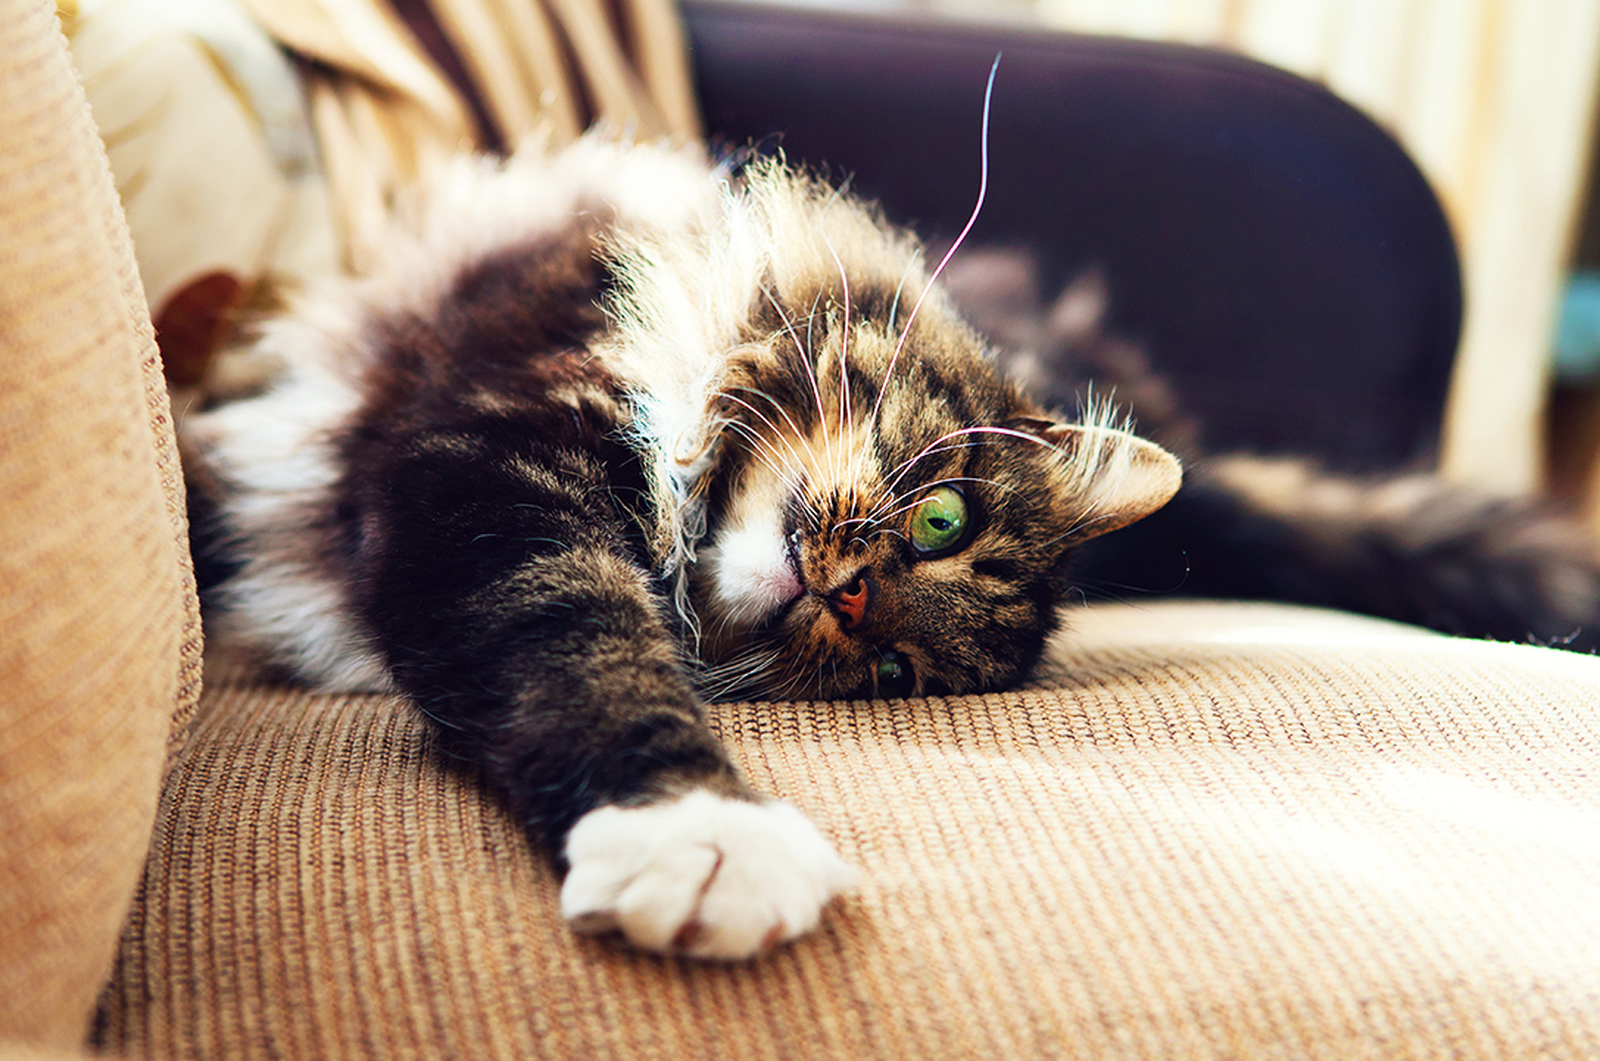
[782, 410]
[767, 454]
[846, 415]
[894, 307]
[933, 449]
[800, 349]
[983, 192]
[775, 467]
[1087, 520]
[750, 433]
[740, 675]
[803, 350]
[786, 690]
[883, 514]
[937, 446]
[731, 396]
[811, 374]
[788, 324]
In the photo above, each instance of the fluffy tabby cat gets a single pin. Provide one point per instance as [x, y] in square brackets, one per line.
[615, 431]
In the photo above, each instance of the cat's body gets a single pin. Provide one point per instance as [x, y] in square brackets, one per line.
[612, 432]
[615, 431]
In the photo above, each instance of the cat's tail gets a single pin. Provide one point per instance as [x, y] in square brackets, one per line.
[1411, 548]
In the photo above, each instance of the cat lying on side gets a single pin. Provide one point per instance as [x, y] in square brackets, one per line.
[616, 431]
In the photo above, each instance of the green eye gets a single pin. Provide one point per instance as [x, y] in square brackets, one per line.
[894, 677]
[939, 523]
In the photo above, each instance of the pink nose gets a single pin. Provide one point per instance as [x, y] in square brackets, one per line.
[851, 602]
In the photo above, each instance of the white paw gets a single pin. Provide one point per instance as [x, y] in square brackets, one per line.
[701, 875]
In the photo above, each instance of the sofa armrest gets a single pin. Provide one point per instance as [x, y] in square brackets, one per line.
[99, 629]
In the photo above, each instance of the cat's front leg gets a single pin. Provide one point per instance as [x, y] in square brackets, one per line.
[571, 699]
[529, 632]
[664, 843]
[605, 752]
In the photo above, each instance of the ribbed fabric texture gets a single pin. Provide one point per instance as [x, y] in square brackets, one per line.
[99, 659]
[1216, 831]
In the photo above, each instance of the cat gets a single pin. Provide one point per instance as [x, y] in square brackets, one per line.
[616, 430]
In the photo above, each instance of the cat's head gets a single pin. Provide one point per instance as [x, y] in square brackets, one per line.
[888, 516]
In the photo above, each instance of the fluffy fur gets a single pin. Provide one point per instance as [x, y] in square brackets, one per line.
[615, 430]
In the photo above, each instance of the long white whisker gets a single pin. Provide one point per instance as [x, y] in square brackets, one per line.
[894, 307]
[933, 447]
[782, 692]
[983, 192]
[788, 324]
[795, 457]
[802, 350]
[805, 361]
[767, 454]
[911, 501]
[737, 674]
[846, 415]
[783, 410]
[769, 459]
[1088, 519]
[811, 375]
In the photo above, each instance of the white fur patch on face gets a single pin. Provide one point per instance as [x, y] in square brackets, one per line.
[751, 575]
[701, 875]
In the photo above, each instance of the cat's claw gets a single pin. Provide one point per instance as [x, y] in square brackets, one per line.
[701, 875]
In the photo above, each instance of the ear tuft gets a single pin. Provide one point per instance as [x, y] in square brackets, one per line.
[1115, 476]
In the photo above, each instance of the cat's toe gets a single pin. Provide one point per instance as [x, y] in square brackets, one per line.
[701, 875]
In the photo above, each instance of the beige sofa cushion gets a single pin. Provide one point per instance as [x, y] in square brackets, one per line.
[99, 636]
[1218, 830]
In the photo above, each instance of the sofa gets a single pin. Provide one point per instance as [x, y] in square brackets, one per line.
[1209, 829]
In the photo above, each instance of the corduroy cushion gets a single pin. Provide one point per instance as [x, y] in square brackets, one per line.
[1219, 830]
[99, 634]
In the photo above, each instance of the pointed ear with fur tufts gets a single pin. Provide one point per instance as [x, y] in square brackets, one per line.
[1114, 476]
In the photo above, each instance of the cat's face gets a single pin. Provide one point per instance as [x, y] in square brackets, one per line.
[904, 532]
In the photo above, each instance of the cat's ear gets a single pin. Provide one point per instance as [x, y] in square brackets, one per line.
[1114, 476]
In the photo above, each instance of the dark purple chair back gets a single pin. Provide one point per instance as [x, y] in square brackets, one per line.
[1278, 255]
